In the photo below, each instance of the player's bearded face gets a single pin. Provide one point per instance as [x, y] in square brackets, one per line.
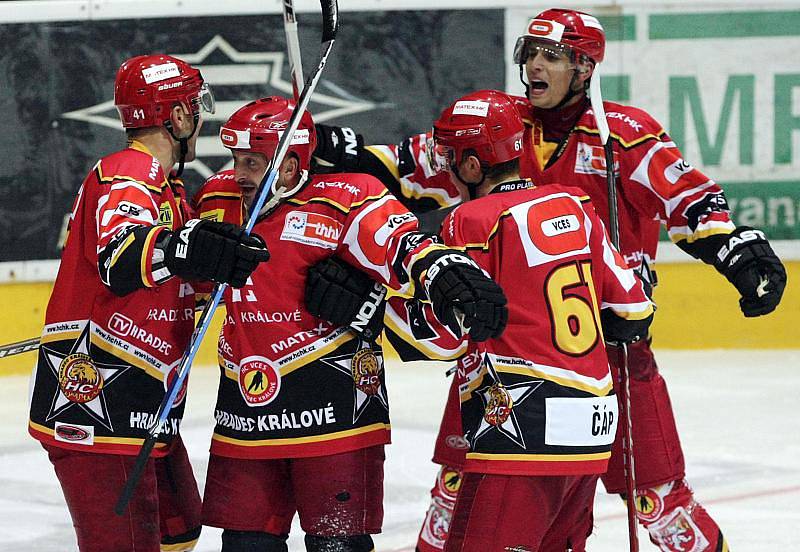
[549, 70]
[249, 169]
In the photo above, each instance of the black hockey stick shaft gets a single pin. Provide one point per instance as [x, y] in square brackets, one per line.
[624, 371]
[624, 388]
[330, 21]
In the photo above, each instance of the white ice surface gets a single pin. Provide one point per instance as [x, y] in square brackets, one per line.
[738, 413]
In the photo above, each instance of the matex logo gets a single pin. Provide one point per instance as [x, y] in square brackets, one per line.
[312, 229]
[160, 72]
[477, 108]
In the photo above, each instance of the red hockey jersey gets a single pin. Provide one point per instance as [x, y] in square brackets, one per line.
[105, 360]
[293, 385]
[539, 399]
[655, 185]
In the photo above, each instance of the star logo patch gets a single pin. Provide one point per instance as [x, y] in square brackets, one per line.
[81, 380]
[364, 368]
[499, 401]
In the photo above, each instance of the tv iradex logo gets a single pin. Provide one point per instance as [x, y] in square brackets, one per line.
[248, 68]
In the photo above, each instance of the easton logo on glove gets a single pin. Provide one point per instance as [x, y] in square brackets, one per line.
[736, 240]
[182, 249]
[443, 262]
[369, 308]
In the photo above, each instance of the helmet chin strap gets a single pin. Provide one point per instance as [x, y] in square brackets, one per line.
[183, 142]
[282, 192]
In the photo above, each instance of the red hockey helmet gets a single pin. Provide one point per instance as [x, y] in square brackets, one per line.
[147, 87]
[579, 32]
[259, 125]
[486, 122]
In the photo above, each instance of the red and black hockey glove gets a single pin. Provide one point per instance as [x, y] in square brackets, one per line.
[345, 296]
[218, 251]
[747, 260]
[461, 295]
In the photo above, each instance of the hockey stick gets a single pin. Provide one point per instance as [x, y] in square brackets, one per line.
[19, 347]
[624, 375]
[330, 24]
[293, 47]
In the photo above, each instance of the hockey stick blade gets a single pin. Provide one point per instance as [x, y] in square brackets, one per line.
[330, 28]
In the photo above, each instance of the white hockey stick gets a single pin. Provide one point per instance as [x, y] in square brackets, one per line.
[293, 47]
[330, 25]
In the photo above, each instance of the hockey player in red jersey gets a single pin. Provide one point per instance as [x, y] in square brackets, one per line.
[121, 314]
[537, 404]
[302, 412]
[557, 57]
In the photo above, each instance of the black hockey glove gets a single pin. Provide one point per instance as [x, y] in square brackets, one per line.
[345, 296]
[218, 251]
[337, 148]
[461, 295]
[749, 263]
[618, 330]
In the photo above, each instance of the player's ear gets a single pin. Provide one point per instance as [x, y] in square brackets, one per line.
[472, 171]
[181, 120]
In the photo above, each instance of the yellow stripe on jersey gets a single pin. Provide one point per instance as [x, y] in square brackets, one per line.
[187, 546]
[619, 139]
[700, 235]
[306, 359]
[60, 336]
[485, 245]
[146, 259]
[593, 457]
[301, 440]
[103, 440]
[336, 205]
[409, 339]
[390, 164]
[121, 249]
[122, 354]
[602, 388]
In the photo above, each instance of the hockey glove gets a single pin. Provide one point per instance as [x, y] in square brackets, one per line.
[461, 295]
[345, 296]
[618, 330]
[337, 148]
[749, 263]
[218, 251]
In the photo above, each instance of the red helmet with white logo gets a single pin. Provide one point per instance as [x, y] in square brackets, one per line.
[147, 87]
[259, 125]
[579, 31]
[486, 122]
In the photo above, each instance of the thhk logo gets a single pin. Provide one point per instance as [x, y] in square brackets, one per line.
[249, 68]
